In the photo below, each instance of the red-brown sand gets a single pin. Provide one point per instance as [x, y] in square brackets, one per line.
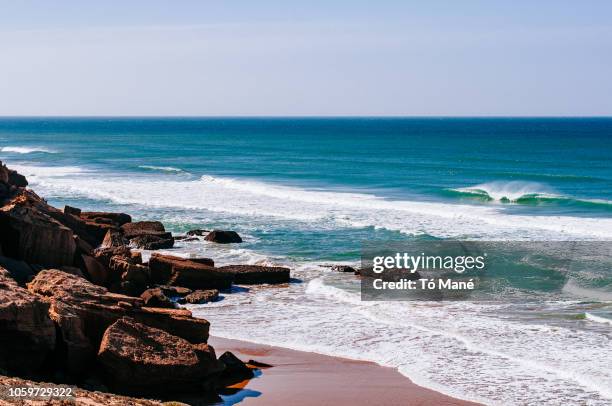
[303, 378]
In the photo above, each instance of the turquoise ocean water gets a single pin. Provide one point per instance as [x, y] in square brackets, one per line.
[306, 192]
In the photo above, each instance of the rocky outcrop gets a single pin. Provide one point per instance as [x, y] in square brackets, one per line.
[191, 273]
[223, 237]
[139, 358]
[255, 274]
[155, 297]
[198, 232]
[27, 334]
[83, 311]
[200, 297]
[30, 234]
[234, 370]
[149, 235]
[116, 219]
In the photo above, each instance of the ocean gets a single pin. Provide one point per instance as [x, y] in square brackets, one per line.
[306, 192]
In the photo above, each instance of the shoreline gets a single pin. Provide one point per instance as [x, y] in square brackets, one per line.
[306, 378]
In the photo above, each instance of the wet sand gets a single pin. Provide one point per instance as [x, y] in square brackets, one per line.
[303, 378]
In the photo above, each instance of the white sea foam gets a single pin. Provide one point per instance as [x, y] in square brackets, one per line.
[509, 190]
[161, 168]
[597, 319]
[463, 349]
[26, 150]
[251, 198]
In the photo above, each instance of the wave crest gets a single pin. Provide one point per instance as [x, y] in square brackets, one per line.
[27, 150]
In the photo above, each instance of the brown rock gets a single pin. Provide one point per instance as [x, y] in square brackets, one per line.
[201, 296]
[193, 274]
[114, 238]
[254, 274]
[72, 210]
[83, 311]
[131, 230]
[223, 237]
[139, 358]
[174, 291]
[117, 219]
[155, 297]
[153, 242]
[27, 334]
[235, 370]
[30, 234]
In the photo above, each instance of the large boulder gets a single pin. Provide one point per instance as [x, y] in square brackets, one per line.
[29, 233]
[136, 357]
[200, 297]
[190, 273]
[155, 297]
[223, 237]
[131, 230]
[153, 242]
[83, 311]
[255, 274]
[27, 334]
[116, 219]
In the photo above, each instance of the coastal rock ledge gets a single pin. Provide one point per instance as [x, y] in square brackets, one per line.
[71, 310]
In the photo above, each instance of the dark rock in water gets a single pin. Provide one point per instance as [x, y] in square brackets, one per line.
[198, 232]
[27, 334]
[139, 358]
[155, 297]
[223, 237]
[254, 274]
[131, 230]
[153, 242]
[117, 219]
[185, 238]
[344, 268]
[201, 297]
[72, 210]
[190, 273]
[235, 370]
[83, 311]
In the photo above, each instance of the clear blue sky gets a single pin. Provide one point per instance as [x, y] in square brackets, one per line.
[329, 57]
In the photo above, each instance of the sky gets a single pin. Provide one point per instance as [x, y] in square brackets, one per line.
[306, 58]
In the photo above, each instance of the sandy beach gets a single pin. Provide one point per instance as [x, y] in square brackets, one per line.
[304, 378]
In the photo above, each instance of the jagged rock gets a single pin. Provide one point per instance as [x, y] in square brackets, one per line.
[201, 297]
[104, 255]
[72, 210]
[20, 271]
[254, 274]
[114, 238]
[344, 268]
[155, 297]
[199, 232]
[83, 311]
[153, 242]
[131, 230]
[27, 334]
[29, 233]
[190, 273]
[136, 357]
[132, 277]
[117, 219]
[235, 370]
[223, 237]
